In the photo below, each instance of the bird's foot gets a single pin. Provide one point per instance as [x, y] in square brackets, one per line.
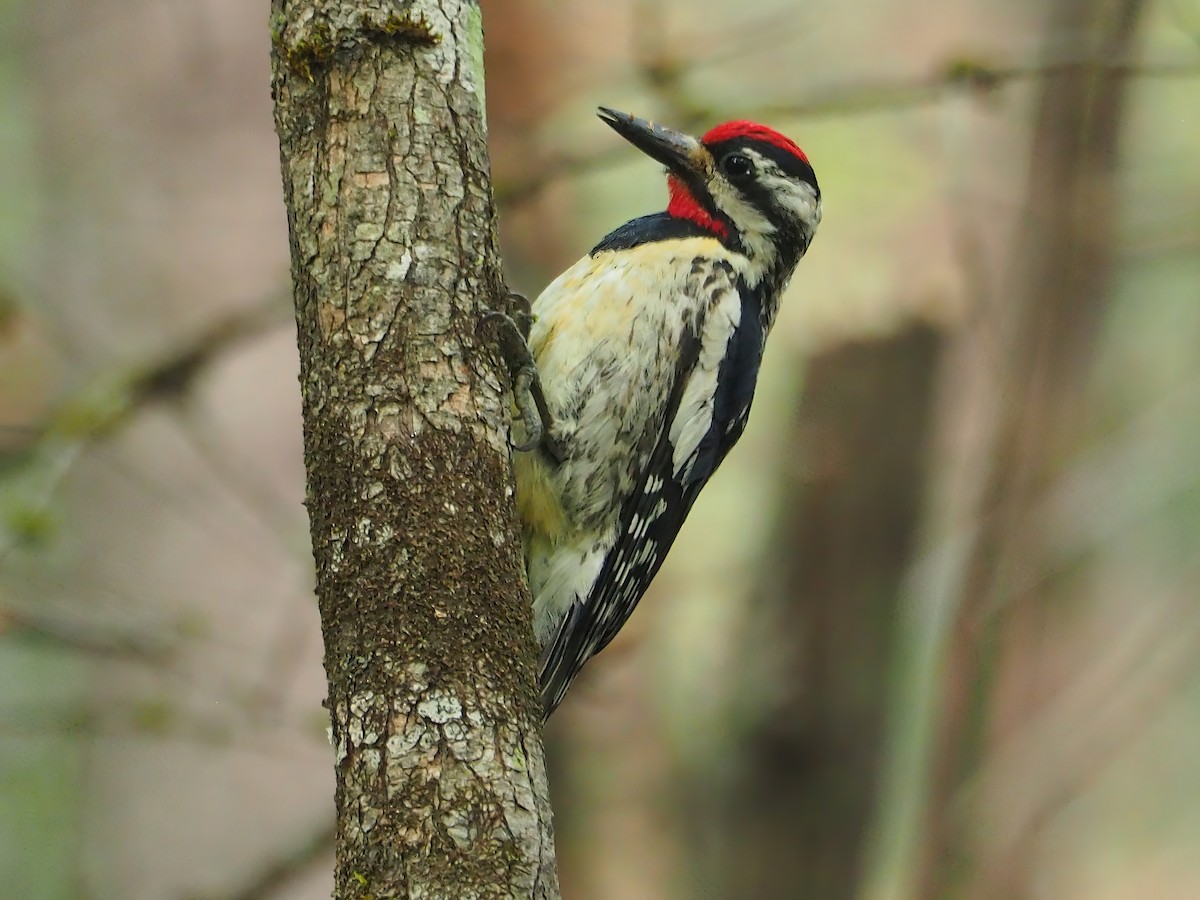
[512, 335]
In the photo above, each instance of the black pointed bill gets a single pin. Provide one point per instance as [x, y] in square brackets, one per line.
[679, 152]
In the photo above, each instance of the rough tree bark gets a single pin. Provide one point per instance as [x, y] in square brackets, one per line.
[441, 782]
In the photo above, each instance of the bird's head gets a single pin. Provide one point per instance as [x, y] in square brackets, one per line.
[746, 183]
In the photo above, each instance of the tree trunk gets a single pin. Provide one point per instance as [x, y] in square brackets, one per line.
[796, 813]
[441, 783]
[986, 588]
[850, 548]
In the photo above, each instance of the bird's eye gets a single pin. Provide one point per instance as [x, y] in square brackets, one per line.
[737, 166]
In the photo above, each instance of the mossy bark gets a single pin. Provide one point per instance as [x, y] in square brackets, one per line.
[441, 783]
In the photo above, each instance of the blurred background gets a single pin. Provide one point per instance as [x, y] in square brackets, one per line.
[932, 632]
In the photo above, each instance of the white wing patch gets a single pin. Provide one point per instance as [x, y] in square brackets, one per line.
[560, 578]
[695, 415]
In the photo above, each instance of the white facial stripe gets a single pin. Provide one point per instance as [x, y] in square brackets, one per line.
[755, 229]
[792, 195]
[792, 199]
[730, 201]
[795, 197]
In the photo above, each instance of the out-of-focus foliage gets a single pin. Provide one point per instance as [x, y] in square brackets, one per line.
[932, 632]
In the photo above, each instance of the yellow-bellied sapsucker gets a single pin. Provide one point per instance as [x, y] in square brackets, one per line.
[647, 351]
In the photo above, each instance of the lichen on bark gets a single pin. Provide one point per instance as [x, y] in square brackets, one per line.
[441, 787]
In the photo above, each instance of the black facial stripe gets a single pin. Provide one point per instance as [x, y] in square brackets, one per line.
[789, 238]
[759, 195]
[788, 163]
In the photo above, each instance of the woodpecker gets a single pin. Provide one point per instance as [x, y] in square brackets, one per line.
[641, 361]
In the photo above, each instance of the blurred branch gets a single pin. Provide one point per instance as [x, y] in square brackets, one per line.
[174, 373]
[164, 719]
[1095, 502]
[282, 871]
[1090, 505]
[98, 412]
[79, 636]
[1067, 746]
[971, 75]
[38, 467]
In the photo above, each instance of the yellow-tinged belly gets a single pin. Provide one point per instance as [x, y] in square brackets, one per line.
[539, 501]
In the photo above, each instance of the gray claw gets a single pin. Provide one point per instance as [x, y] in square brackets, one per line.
[528, 396]
[522, 388]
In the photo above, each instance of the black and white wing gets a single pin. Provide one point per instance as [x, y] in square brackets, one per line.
[705, 414]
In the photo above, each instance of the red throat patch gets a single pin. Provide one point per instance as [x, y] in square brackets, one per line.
[684, 206]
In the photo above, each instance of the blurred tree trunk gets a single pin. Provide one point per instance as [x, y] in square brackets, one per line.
[798, 812]
[537, 230]
[1017, 383]
[441, 784]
